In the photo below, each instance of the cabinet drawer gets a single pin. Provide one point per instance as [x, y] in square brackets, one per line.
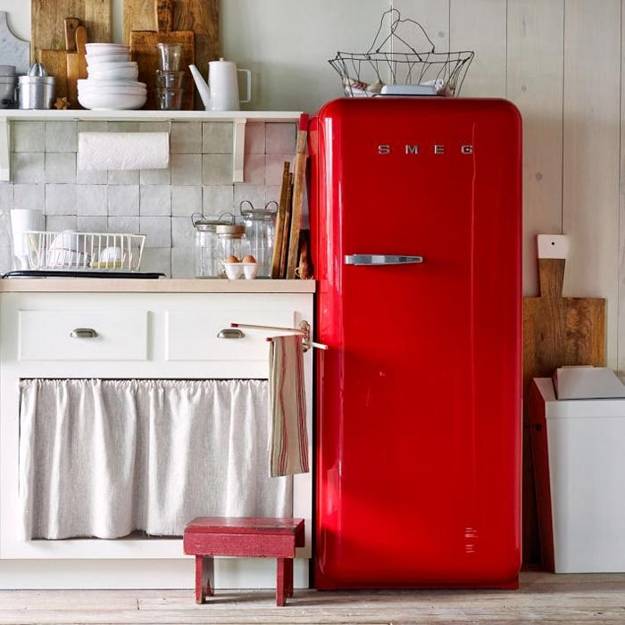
[194, 335]
[51, 335]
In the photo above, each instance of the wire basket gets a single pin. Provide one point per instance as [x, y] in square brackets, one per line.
[84, 251]
[393, 66]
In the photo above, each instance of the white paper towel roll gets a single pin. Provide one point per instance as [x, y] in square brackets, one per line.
[98, 151]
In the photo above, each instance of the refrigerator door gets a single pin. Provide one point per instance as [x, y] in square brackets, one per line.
[416, 209]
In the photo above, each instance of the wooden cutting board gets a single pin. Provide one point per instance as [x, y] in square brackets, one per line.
[76, 63]
[143, 50]
[557, 331]
[200, 16]
[47, 21]
[55, 62]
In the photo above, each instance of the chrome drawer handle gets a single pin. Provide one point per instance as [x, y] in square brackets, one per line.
[230, 333]
[83, 333]
[382, 259]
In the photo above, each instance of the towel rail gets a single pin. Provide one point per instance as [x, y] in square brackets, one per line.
[303, 328]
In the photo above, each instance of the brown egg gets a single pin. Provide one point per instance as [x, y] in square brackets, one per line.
[249, 259]
[232, 259]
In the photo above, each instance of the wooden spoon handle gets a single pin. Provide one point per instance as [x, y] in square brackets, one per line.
[164, 15]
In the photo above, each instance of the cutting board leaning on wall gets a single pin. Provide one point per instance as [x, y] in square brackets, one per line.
[557, 331]
[199, 16]
[47, 22]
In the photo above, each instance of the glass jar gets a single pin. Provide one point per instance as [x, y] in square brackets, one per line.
[260, 229]
[231, 242]
[207, 257]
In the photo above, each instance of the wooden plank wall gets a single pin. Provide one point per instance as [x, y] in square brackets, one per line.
[562, 62]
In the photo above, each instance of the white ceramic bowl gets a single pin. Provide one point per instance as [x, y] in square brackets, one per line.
[122, 73]
[105, 65]
[111, 101]
[106, 58]
[233, 270]
[99, 49]
[105, 86]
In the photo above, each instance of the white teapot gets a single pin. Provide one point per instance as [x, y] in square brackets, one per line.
[221, 93]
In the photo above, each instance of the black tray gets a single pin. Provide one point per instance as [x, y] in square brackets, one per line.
[36, 273]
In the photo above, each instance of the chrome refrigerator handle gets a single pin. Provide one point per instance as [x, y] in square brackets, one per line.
[382, 259]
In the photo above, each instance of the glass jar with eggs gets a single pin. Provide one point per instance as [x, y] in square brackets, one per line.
[208, 257]
[234, 252]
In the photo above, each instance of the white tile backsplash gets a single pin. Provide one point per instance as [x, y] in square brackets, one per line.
[157, 230]
[157, 203]
[217, 138]
[29, 196]
[123, 177]
[91, 223]
[280, 138]
[155, 200]
[186, 200]
[182, 262]
[58, 223]
[216, 169]
[123, 225]
[29, 137]
[186, 138]
[60, 199]
[61, 136]
[155, 176]
[218, 199]
[186, 169]
[182, 232]
[60, 167]
[123, 200]
[28, 167]
[92, 199]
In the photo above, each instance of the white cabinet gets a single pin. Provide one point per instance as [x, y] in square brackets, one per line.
[136, 335]
[86, 334]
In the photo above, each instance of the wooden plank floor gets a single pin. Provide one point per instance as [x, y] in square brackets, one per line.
[543, 598]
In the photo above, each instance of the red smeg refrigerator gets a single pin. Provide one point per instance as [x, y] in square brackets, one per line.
[416, 222]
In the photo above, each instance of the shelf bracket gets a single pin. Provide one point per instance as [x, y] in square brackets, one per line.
[238, 149]
[5, 150]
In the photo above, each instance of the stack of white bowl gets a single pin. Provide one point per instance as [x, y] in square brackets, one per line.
[112, 83]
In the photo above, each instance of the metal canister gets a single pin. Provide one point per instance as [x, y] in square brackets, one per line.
[36, 91]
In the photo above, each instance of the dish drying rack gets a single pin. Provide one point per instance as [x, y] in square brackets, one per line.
[392, 62]
[84, 251]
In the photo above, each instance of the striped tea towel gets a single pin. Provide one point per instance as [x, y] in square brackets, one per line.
[287, 407]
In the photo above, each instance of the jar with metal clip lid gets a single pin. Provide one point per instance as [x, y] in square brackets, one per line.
[232, 244]
[260, 229]
[207, 256]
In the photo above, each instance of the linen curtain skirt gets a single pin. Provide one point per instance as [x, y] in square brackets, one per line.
[105, 458]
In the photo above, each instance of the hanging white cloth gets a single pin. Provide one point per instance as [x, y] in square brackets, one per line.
[105, 458]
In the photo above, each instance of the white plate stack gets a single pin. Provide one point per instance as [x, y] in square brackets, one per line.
[112, 83]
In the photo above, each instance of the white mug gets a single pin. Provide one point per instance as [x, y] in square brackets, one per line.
[23, 220]
[224, 86]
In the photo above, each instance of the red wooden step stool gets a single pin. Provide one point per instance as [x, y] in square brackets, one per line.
[206, 537]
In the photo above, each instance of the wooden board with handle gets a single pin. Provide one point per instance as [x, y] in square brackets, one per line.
[280, 218]
[76, 65]
[144, 51]
[55, 62]
[199, 16]
[47, 21]
[557, 331]
[299, 188]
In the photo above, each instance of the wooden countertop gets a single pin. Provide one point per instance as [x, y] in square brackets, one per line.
[164, 285]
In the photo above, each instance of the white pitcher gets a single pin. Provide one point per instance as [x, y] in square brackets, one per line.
[221, 93]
